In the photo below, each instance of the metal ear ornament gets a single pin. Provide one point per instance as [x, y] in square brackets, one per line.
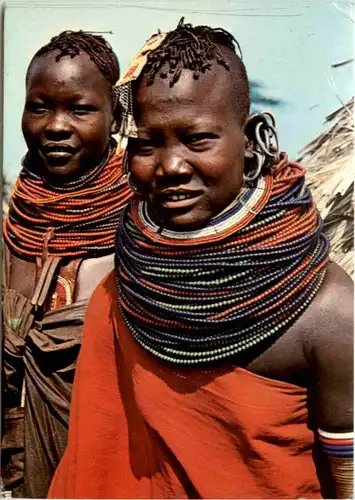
[261, 134]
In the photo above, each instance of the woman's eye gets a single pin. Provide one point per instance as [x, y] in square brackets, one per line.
[202, 139]
[36, 107]
[141, 146]
[82, 110]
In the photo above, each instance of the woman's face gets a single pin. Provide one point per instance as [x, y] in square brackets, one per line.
[67, 116]
[188, 159]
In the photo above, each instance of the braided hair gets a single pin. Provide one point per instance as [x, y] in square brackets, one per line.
[194, 49]
[71, 43]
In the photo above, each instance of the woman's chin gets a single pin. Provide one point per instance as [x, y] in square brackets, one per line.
[186, 220]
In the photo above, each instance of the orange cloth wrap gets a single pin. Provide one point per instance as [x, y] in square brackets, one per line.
[143, 429]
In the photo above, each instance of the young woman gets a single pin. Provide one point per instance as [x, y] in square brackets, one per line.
[59, 244]
[223, 368]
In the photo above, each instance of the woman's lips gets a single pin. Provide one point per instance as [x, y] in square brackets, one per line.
[58, 153]
[178, 199]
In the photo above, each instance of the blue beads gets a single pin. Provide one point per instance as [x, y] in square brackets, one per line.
[220, 298]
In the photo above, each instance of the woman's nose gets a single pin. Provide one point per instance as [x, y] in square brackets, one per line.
[58, 124]
[171, 163]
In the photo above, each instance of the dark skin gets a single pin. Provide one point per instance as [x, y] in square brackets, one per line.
[67, 116]
[182, 151]
[67, 122]
[191, 140]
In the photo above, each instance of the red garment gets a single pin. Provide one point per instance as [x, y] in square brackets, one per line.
[140, 428]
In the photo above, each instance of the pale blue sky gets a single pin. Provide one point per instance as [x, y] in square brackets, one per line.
[288, 45]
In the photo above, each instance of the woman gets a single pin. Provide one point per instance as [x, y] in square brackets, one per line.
[59, 243]
[224, 363]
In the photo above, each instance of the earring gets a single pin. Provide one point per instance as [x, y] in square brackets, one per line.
[257, 162]
[264, 144]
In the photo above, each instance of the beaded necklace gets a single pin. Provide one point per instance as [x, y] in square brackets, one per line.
[207, 295]
[78, 219]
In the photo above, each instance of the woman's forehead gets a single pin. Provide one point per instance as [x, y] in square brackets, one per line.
[209, 95]
[46, 68]
[212, 85]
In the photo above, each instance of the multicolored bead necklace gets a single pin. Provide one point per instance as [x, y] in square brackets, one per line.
[78, 219]
[207, 295]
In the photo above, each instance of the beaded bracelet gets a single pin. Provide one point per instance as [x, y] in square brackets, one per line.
[337, 444]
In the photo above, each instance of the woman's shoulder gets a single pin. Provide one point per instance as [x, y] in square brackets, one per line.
[331, 313]
[328, 333]
[100, 318]
[91, 272]
[106, 291]
[103, 305]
